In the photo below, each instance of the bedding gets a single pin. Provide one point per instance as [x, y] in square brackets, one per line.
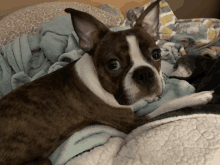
[181, 140]
[190, 139]
[29, 19]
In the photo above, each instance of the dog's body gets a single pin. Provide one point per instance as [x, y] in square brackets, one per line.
[121, 68]
[39, 122]
[201, 71]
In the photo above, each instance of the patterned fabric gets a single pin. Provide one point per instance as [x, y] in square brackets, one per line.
[28, 20]
[170, 25]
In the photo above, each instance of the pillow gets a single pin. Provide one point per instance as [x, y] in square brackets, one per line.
[28, 20]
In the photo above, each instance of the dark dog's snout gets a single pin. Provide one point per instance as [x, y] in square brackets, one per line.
[143, 75]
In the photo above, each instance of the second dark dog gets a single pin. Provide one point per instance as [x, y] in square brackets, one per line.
[202, 72]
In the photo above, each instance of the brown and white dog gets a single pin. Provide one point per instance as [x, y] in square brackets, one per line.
[119, 69]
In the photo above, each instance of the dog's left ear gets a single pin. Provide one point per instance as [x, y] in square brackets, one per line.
[149, 19]
[88, 29]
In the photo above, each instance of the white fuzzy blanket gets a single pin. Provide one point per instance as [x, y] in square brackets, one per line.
[185, 140]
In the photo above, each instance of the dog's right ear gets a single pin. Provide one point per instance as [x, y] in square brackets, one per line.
[88, 29]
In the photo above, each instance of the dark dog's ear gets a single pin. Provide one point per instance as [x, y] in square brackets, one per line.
[149, 19]
[88, 29]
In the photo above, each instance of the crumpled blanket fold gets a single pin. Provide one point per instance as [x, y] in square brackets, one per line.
[87, 139]
[30, 56]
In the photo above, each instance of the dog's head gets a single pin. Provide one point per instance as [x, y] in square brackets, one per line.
[127, 62]
[192, 68]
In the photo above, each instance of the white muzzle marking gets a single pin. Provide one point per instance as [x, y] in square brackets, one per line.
[130, 86]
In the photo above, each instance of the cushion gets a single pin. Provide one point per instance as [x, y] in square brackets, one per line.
[29, 19]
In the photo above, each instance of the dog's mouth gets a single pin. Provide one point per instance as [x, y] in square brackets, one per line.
[129, 100]
[155, 99]
[151, 99]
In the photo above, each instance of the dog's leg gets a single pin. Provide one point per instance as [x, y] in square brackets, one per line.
[194, 99]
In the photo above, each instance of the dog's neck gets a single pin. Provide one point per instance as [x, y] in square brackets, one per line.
[87, 73]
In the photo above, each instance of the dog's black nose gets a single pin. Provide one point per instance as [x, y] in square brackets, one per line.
[143, 75]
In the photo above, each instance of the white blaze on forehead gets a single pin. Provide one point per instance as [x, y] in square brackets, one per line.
[138, 60]
[135, 52]
[136, 55]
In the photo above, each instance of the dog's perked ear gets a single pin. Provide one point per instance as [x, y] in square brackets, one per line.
[149, 19]
[88, 29]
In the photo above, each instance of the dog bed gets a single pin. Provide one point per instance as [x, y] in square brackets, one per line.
[26, 55]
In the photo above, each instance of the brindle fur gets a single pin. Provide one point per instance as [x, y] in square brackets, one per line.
[37, 117]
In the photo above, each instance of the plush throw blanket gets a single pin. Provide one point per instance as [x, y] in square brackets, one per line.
[192, 139]
[181, 140]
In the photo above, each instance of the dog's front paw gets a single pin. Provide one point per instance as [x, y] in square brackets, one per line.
[200, 98]
[194, 99]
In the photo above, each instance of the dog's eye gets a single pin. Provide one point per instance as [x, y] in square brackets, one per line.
[156, 55]
[113, 64]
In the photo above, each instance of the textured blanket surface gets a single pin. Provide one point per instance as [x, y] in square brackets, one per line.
[182, 140]
[185, 140]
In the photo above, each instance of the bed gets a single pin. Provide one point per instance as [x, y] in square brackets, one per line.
[27, 55]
